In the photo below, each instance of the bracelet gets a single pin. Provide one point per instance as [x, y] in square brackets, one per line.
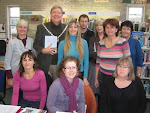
[138, 74]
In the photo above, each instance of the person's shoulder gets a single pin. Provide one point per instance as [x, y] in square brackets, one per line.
[63, 25]
[80, 81]
[56, 83]
[28, 38]
[122, 39]
[90, 31]
[17, 74]
[84, 41]
[41, 25]
[62, 42]
[109, 79]
[39, 72]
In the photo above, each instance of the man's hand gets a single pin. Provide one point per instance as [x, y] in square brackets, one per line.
[49, 50]
[10, 82]
[85, 81]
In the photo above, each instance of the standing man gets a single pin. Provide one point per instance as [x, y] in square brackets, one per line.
[85, 32]
[47, 57]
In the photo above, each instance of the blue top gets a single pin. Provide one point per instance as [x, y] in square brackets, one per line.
[73, 52]
[136, 53]
[57, 100]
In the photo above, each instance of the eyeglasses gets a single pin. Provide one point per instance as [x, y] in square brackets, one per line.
[69, 68]
[123, 66]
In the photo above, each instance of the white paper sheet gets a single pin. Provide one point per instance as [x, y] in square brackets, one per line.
[8, 108]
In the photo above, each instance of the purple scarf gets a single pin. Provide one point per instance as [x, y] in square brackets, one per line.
[70, 90]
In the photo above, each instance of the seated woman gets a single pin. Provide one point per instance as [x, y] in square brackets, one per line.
[32, 82]
[67, 92]
[124, 92]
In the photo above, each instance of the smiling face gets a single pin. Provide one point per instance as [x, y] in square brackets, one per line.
[22, 30]
[70, 70]
[110, 30]
[28, 62]
[126, 32]
[56, 15]
[99, 28]
[73, 29]
[83, 23]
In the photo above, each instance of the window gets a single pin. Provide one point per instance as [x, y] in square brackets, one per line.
[136, 13]
[13, 14]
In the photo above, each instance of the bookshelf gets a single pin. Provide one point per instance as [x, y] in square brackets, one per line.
[145, 75]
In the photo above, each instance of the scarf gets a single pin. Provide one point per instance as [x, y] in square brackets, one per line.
[70, 90]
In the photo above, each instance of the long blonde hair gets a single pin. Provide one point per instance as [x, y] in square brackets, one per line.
[79, 44]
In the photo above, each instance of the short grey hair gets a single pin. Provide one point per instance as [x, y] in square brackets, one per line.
[55, 7]
[22, 22]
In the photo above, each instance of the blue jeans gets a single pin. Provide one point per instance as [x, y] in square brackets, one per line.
[26, 103]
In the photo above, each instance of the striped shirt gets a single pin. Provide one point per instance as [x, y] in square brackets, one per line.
[107, 58]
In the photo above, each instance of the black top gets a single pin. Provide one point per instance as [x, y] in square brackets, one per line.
[130, 99]
[89, 33]
[45, 60]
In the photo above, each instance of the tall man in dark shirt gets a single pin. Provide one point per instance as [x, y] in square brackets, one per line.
[85, 32]
[47, 57]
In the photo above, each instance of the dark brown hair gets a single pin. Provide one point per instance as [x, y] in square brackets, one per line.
[61, 66]
[30, 55]
[84, 16]
[112, 22]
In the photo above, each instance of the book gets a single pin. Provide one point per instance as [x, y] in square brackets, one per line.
[51, 40]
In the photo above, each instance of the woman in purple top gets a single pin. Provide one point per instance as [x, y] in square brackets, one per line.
[31, 81]
[66, 94]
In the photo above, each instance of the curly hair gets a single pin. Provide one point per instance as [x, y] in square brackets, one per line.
[61, 66]
[23, 56]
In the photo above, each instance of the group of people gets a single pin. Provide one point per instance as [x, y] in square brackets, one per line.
[101, 58]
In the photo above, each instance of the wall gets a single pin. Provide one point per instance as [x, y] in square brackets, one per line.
[74, 5]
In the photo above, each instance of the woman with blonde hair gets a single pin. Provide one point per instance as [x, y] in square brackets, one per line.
[123, 92]
[74, 45]
[98, 35]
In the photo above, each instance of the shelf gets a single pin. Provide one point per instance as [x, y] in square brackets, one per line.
[148, 96]
[145, 78]
[146, 33]
[145, 48]
[146, 63]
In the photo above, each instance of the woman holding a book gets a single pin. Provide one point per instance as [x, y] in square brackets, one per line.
[135, 47]
[74, 45]
[66, 94]
[123, 92]
[31, 81]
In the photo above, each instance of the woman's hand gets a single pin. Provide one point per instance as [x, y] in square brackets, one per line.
[85, 81]
[96, 83]
[10, 82]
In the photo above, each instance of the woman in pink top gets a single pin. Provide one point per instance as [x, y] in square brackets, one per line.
[31, 81]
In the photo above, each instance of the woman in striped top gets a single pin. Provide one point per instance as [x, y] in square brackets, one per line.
[109, 51]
